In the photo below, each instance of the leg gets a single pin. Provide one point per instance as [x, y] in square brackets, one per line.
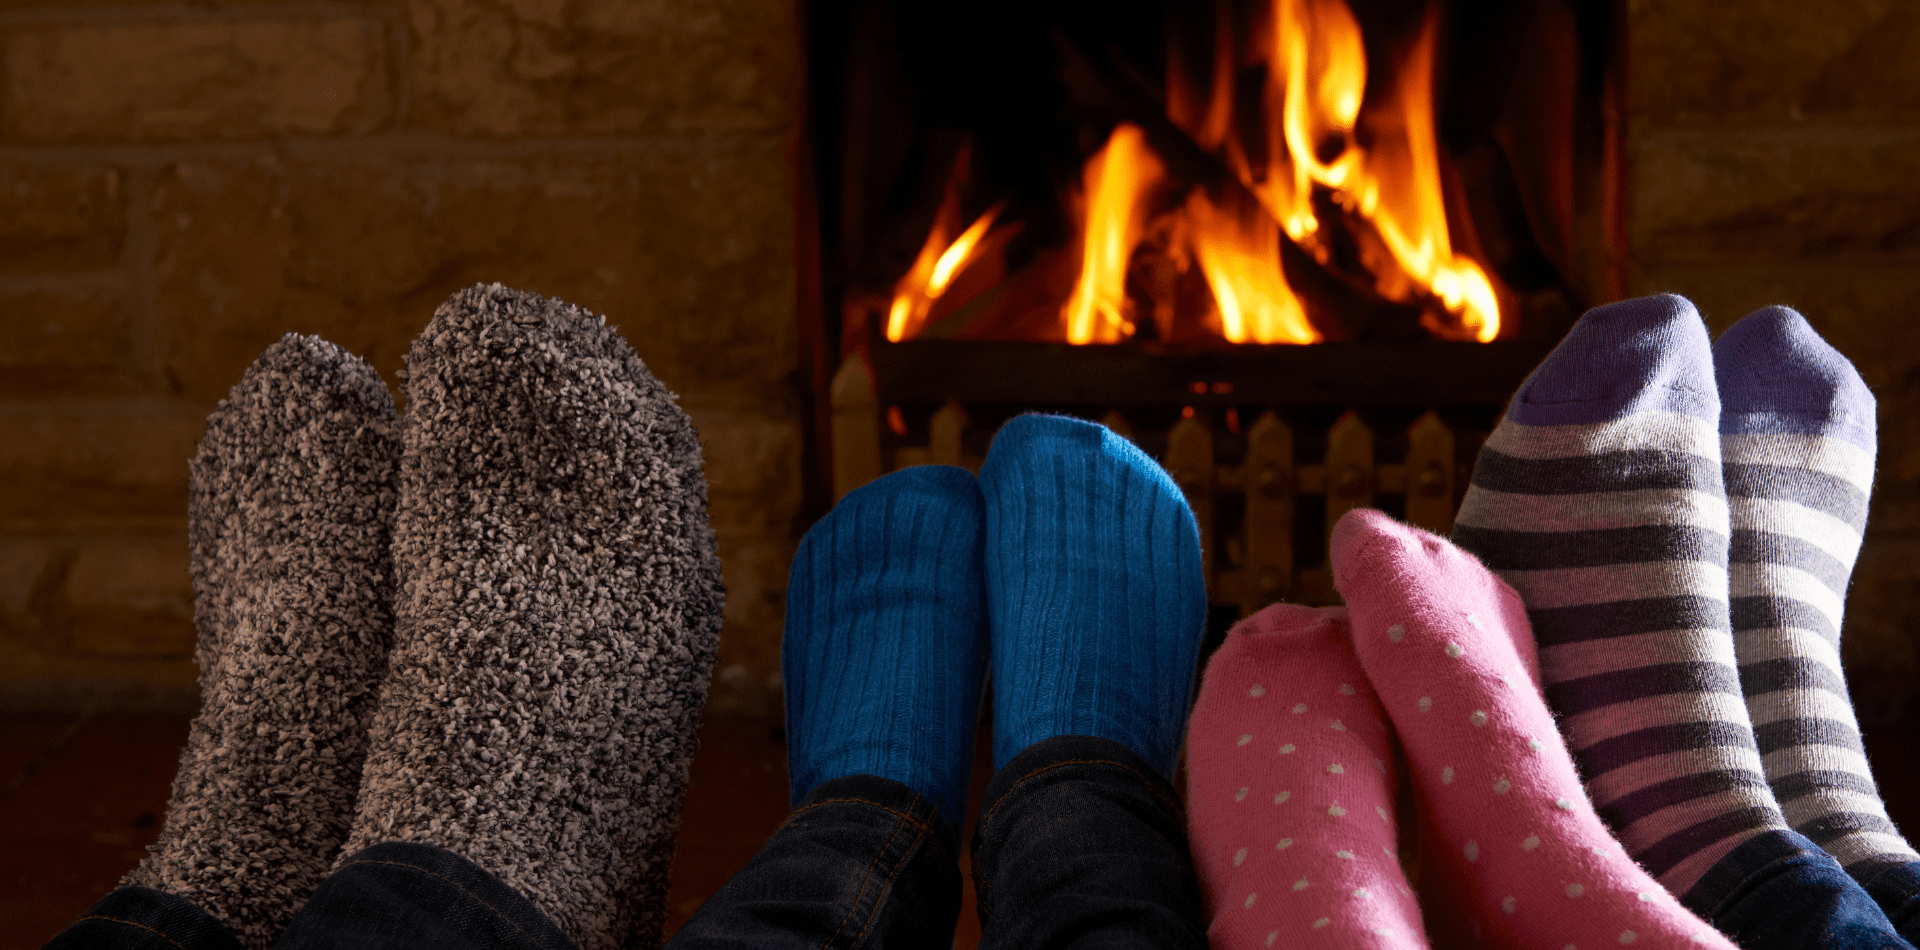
[1518, 855]
[290, 513]
[1797, 437]
[1292, 774]
[1600, 499]
[884, 656]
[1082, 843]
[558, 613]
[1097, 606]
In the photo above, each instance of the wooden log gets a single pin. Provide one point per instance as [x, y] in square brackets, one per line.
[1269, 480]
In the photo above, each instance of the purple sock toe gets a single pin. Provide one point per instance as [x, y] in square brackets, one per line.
[1776, 375]
[1649, 354]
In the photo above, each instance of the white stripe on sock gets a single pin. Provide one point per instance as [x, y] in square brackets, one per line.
[1650, 430]
[1836, 457]
[1570, 661]
[1822, 530]
[1597, 510]
[1580, 586]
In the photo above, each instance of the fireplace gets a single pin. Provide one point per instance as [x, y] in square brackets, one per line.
[1300, 251]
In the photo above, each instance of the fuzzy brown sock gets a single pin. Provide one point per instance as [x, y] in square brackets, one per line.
[558, 614]
[290, 515]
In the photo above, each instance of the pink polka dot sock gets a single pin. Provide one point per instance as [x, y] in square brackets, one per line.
[1522, 858]
[1291, 773]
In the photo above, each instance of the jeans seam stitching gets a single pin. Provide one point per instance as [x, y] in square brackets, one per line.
[130, 923]
[903, 823]
[987, 814]
[456, 886]
[906, 817]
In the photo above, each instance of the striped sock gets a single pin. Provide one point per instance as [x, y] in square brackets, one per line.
[1797, 442]
[1599, 499]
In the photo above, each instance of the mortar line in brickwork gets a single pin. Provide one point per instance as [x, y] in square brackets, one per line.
[395, 145]
[1824, 132]
[95, 527]
[110, 15]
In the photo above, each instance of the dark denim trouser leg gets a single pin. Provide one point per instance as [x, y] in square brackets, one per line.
[392, 896]
[1784, 893]
[1896, 889]
[862, 862]
[1082, 844]
[141, 918]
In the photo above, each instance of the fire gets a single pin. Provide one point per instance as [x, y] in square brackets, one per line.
[1408, 211]
[1115, 181]
[938, 263]
[1379, 162]
[1319, 68]
[1240, 256]
[1318, 74]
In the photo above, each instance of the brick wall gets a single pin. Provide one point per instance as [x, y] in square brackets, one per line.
[1774, 151]
[182, 183]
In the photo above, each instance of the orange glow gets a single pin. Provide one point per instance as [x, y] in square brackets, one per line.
[960, 254]
[938, 263]
[1393, 183]
[910, 299]
[1407, 208]
[1323, 167]
[1115, 182]
[1240, 256]
[1320, 70]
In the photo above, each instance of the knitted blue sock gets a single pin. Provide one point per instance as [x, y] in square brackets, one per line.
[1797, 442]
[885, 645]
[1094, 590]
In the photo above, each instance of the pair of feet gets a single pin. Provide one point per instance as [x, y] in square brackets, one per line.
[1679, 518]
[1311, 719]
[1070, 569]
[486, 627]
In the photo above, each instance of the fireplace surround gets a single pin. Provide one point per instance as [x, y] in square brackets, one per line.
[998, 120]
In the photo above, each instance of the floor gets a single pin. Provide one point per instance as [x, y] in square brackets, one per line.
[85, 794]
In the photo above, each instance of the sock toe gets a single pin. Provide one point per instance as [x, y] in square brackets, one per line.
[1775, 374]
[1649, 354]
[1094, 589]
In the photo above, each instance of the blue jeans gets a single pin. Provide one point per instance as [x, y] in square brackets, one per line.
[1080, 844]
[1784, 893]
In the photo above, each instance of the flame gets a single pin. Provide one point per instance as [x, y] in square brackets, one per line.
[1378, 161]
[960, 254]
[935, 267]
[1404, 195]
[1320, 70]
[1240, 256]
[1394, 182]
[1115, 182]
[1210, 122]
